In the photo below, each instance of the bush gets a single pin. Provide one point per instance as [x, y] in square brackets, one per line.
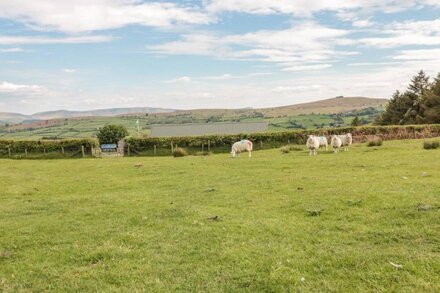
[376, 141]
[179, 152]
[431, 145]
[287, 148]
[111, 133]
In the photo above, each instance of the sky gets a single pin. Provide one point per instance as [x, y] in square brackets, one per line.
[91, 54]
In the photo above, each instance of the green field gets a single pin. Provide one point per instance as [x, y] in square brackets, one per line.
[272, 223]
[88, 127]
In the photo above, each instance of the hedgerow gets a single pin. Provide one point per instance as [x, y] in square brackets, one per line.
[277, 139]
[16, 148]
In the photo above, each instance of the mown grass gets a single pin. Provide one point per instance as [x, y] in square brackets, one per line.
[272, 223]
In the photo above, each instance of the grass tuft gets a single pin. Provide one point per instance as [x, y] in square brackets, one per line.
[287, 148]
[314, 212]
[424, 207]
[355, 202]
[376, 141]
[179, 152]
[431, 145]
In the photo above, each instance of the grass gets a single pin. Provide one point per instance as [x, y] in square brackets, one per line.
[272, 223]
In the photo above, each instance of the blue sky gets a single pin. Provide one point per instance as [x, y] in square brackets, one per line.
[87, 54]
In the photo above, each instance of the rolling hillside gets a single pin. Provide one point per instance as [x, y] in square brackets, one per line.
[60, 114]
[327, 106]
[325, 113]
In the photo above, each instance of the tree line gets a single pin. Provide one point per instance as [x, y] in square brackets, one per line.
[419, 104]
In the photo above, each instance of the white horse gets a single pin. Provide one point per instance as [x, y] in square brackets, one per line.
[242, 146]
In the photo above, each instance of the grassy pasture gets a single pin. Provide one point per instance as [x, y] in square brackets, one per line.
[337, 221]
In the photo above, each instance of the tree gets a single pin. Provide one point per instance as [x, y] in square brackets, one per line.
[111, 133]
[418, 87]
[418, 104]
[356, 121]
[430, 106]
[419, 84]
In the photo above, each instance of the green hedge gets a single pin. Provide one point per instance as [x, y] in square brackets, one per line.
[222, 143]
[45, 148]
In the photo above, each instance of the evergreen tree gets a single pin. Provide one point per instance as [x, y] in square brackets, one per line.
[413, 97]
[419, 84]
[356, 121]
[420, 103]
[430, 105]
[394, 110]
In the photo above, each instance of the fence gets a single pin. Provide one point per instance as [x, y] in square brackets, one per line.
[221, 144]
[201, 144]
[47, 149]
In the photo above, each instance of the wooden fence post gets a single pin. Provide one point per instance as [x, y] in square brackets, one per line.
[154, 148]
[82, 151]
[209, 145]
[203, 147]
[261, 144]
[25, 152]
[44, 150]
[62, 150]
[9, 151]
[172, 147]
[128, 150]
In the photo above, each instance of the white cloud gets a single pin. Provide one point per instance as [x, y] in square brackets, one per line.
[307, 7]
[12, 88]
[405, 33]
[85, 15]
[299, 88]
[307, 67]
[228, 76]
[11, 50]
[31, 40]
[421, 54]
[362, 23]
[299, 45]
[182, 79]
[69, 70]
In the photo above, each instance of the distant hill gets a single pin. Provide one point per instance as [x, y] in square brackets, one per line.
[326, 113]
[328, 106]
[18, 118]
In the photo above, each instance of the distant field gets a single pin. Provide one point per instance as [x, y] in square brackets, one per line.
[87, 127]
[272, 223]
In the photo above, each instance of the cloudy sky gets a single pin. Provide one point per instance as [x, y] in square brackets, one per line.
[85, 54]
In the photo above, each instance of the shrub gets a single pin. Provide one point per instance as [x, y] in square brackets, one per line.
[179, 152]
[431, 145]
[376, 141]
[287, 148]
[112, 133]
